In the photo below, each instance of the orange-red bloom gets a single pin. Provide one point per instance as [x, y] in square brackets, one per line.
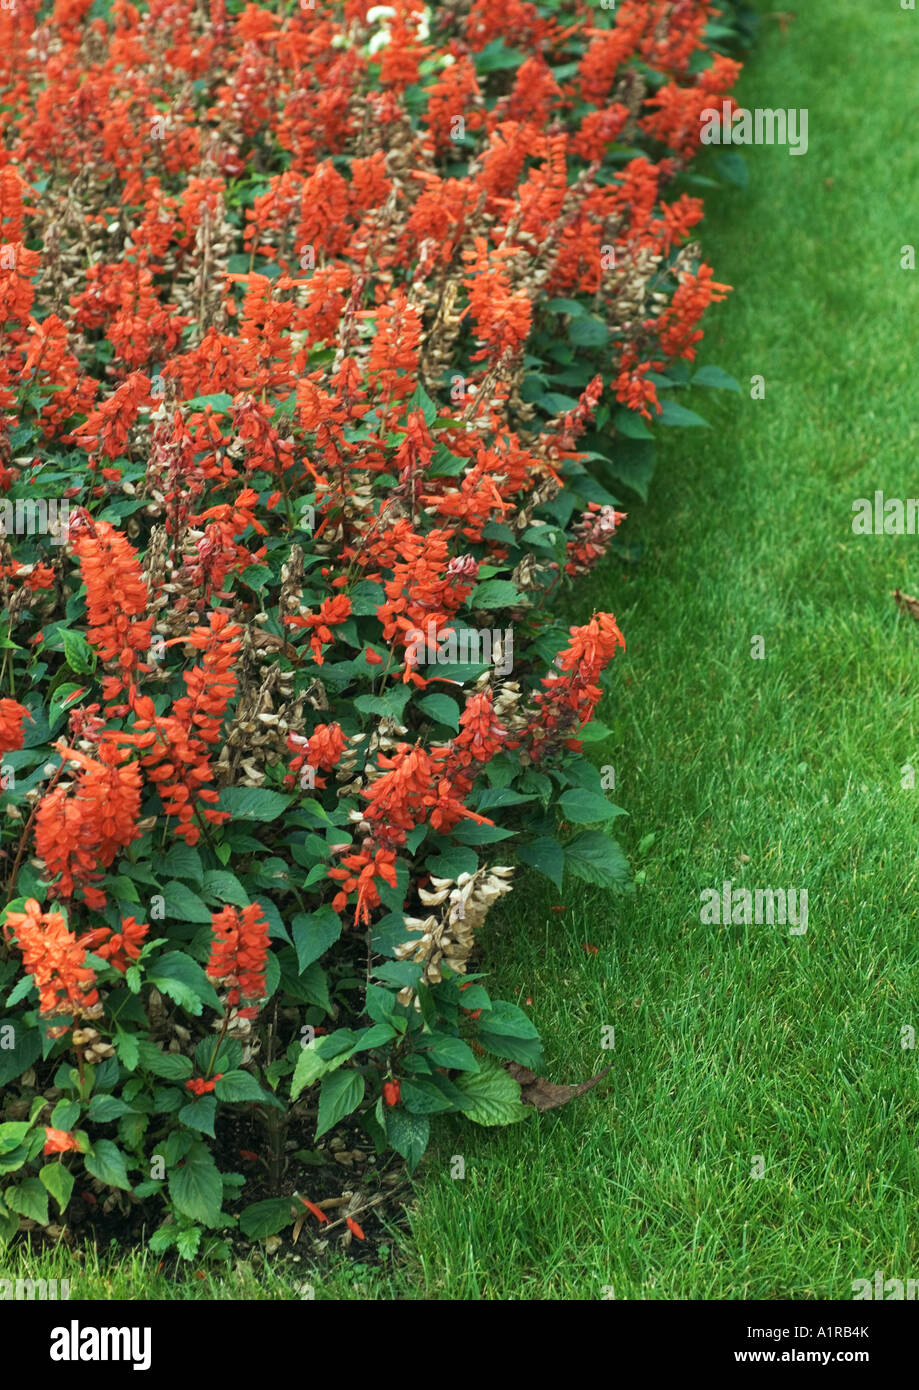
[239, 952]
[55, 959]
[60, 1141]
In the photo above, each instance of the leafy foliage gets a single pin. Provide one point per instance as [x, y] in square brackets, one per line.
[359, 366]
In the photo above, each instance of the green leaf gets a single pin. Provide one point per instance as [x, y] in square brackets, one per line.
[733, 167]
[188, 1241]
[407, 1133]
[65, 1114]
[493, 1096]
[184, 980]
[199, 1114]
[390, 705]
[366, 597]
[182, 905]
[678, 415]
[595, 858]
[455, 860]
[220, 401]
[506, 1031]
[315, 986]
[554, 403]
[586, 808]
[183, 861]
[253, 803]
[631, 424]
[470, 833]
[106, 1162]
[716, 379]
[29, 1198]
[311, 1065]
[423, 1097]
[220, 883]
[196, 1187]
[266, 1218]
[12, 1135]
[314, 933]
[127, 1049]
[339, 1094]
[78, 654]
[62, 700]
[495, 593]
[452, 1052]
[172, 1066]
[441, 708]
[546, 855]
[25, 1050]
[239, 1085]
[103, 1109]
[59, 1182]
[588, 332]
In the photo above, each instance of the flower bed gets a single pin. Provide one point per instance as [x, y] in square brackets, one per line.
[330, 339]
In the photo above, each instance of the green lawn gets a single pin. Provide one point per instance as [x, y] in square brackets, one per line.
[739, 1041]
[733, 1041]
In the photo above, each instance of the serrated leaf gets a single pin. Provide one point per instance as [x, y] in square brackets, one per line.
[407, 1133]
[182, 905]
[441, 708]
[547, 856]
[493, 1097]
[188, 1242]
[29, 1198]
[339, 1095]
[26, 1049]
[677, 415]
[253, 803]
[225, 886]
[452, 1052]
[266, 1218]
[495, 593]
[103, 1109]
[196, 1187]
[715, 379]
[313, 933]
[78, 654]
[199, 1114]
[59, 1182]
[106, 1162]
[586, 808]
[588, 331]
[184, 980]
[311, 1065]
[595, 858]
[239, 1085]
[171, 1066]
[184, 861]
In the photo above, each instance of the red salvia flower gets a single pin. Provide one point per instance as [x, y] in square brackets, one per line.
[12, 716]
[239, 952]
[55, 959]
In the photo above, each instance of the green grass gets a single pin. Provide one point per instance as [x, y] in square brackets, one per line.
[736, 1041]
[731, 1042]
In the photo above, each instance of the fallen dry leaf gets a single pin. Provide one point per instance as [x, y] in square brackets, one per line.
[907, 604]
[546, 1095]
